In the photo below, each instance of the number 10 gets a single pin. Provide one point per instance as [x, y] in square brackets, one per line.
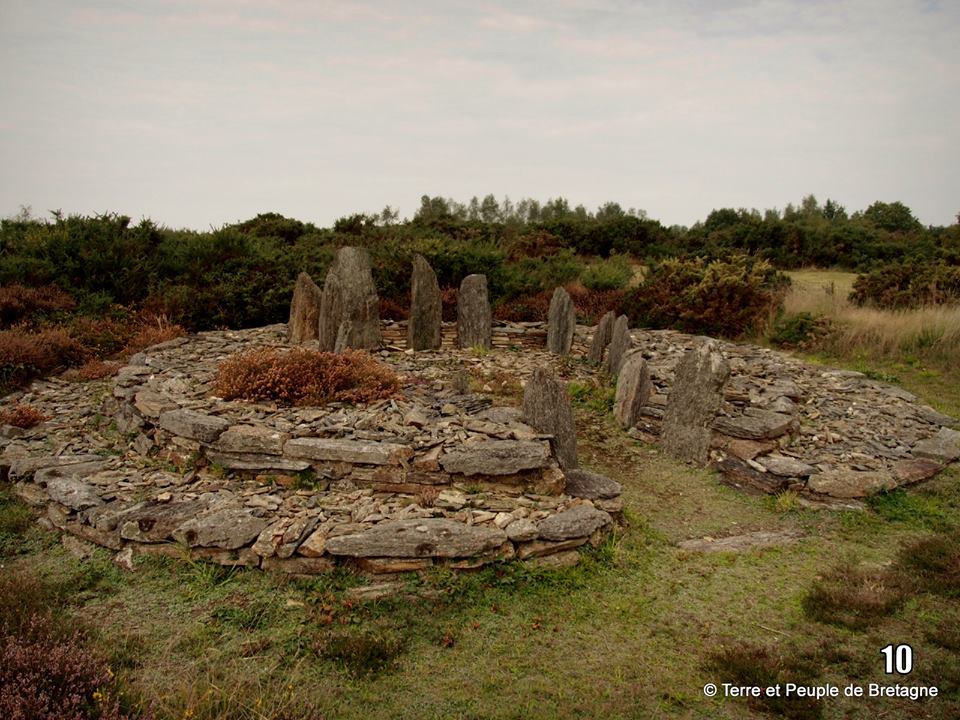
[897, 659]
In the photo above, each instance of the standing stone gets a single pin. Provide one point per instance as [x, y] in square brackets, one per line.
[561, 322]
[693, 402]
[633, 390]
[619, 344]
[546, 408]
[304, 311]
[423, 330]
[474, 321]
[601, 336]
[349, 306]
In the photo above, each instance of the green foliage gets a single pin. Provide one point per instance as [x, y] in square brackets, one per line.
[919, 509]
[594, 395]
[727, 298]
[364, 652]
[908, 285]
[792, 330]
[610, 274]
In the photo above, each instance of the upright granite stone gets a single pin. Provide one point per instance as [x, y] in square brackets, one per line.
[546, 408]
[601, 336]
[619, 344]
[474, 320]
[693, 402]
[633, 390]
[349, 306]
[423, 330]
[561, 322]
[304, 311]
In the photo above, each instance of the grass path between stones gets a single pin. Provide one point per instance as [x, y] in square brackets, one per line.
[635, 631]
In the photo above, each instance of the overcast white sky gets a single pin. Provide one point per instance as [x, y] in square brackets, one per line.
[201, 112]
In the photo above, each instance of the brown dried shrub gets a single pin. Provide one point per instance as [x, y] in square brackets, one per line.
[304, 377]
[448, 304]
[101, 336]
[153, 330]
[25, 355]
[19, 303]
[92, 370]
[394, 309]
[590, 305]
[22, 416]
[855, 597]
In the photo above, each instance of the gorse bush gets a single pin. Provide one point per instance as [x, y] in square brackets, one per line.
[908, 285]
[611, 274]
[304, 377]
[728, 298]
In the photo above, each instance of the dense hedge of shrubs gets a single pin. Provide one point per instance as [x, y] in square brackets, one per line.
[728, 298]
[242, 275]
[908, 285]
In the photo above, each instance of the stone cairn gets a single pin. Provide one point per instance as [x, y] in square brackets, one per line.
[561, 323]
[349, 306]
[304, 311]
[423, 329]
[474, 319]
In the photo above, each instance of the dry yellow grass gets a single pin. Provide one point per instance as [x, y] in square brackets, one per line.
[932, 333]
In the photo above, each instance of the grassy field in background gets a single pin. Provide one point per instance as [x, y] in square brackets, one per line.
[914, 348]
[635, 631]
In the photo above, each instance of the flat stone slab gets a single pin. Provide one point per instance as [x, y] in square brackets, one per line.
[943, 447]
[576, 522]
[425, 537]
[156, 522]
[70, 491]
[193, 425]
[255, 461]
[846, 483]
[497, 457]
[786, 466]
[227, 528]
[911, 471]
[80, 465]
[251, 439]
[583, 484]
[741, 543]
[351, 451]
[757, 425]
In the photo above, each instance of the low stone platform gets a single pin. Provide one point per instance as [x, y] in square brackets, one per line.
[437, 476]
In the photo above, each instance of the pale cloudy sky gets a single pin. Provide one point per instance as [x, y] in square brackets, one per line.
[200, 112]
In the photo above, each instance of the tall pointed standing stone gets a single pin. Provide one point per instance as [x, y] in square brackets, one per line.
[547, 409]
[561, 322]
[693, 403]
[349, 306]
[633, 390]
[601, 336]
[304, 311]
[423, 330]
[474, 320]
[619, 344]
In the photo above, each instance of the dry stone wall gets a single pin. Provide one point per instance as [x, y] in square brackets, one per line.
[435, 476]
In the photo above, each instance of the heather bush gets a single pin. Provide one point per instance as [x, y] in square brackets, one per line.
[304, 377]
[92, 370]
[19, 303]
[728, 298]
[22, 416]
[908, 285]
[46, 675]
[590, 305]
[26, 355]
